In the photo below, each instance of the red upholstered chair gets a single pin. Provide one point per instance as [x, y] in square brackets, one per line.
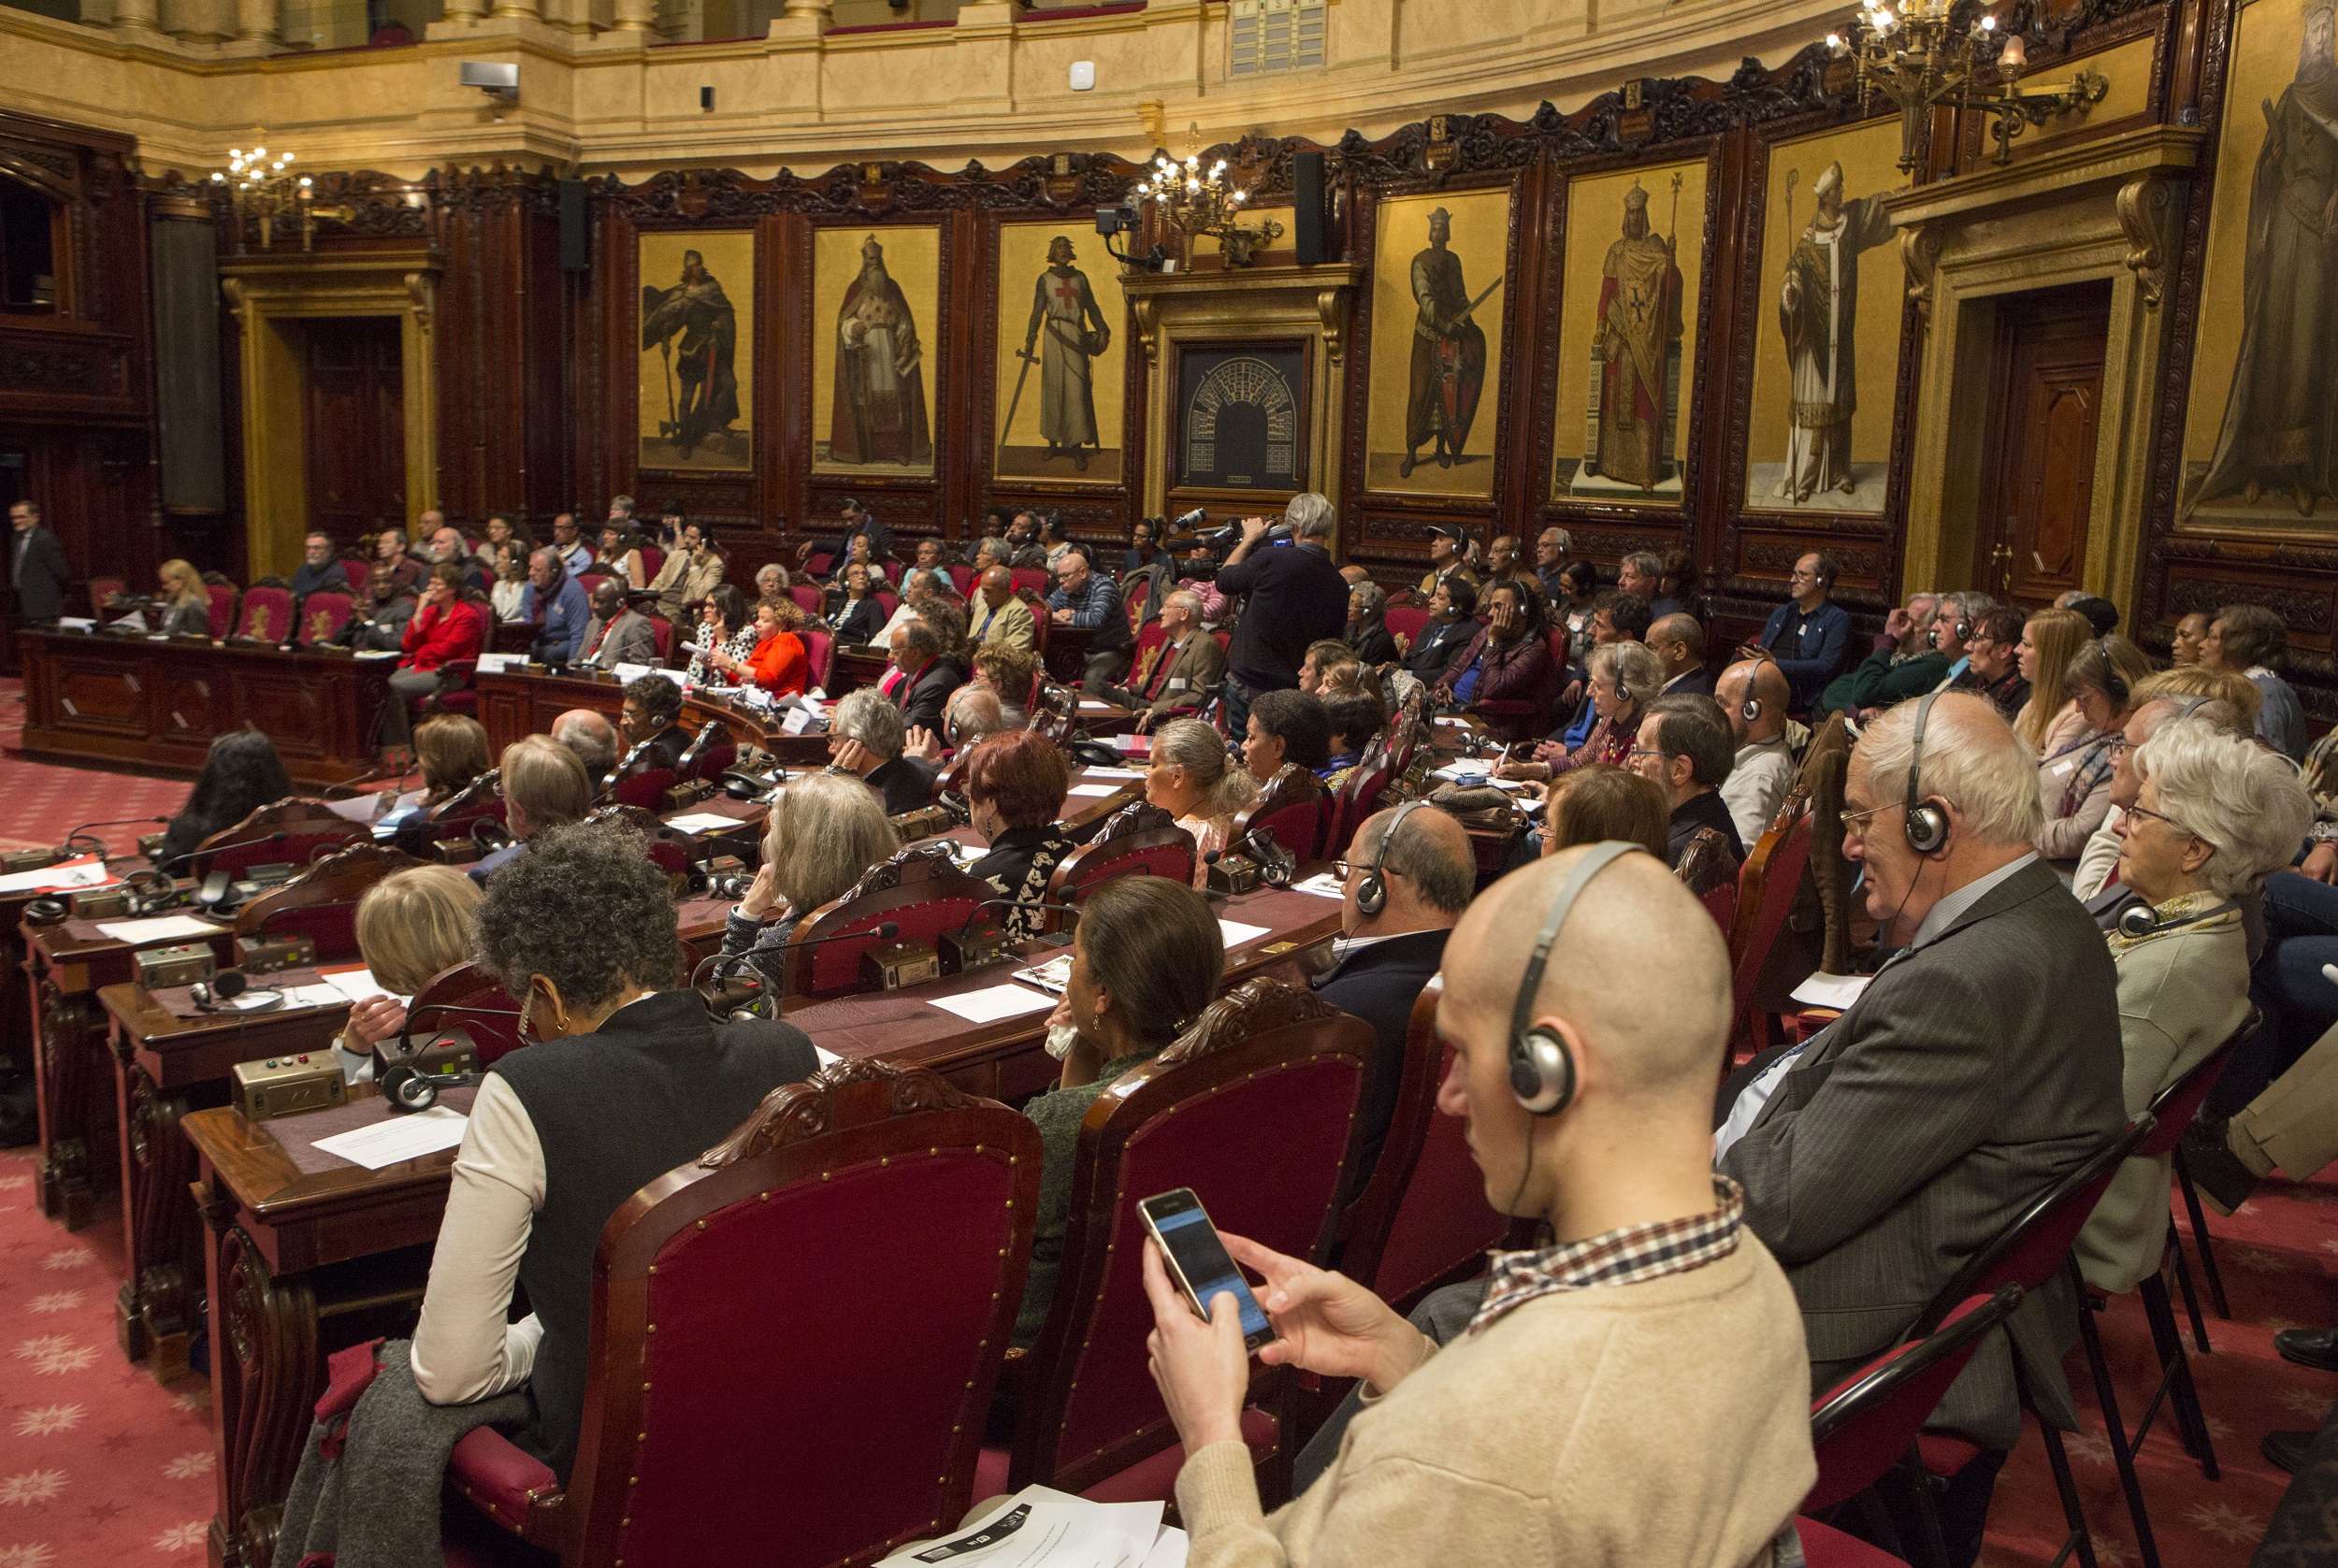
[480, 800]
[356, 569]
[588, 580]
[652, 559]
[1358, 799]
[1137, 840]
[1290, 806]
[1030, 579]
[712, 749]
[1253, 1108]
[1767, 884]
[322, 614]
[661, 631]
[291, 831]
[321, 904]
[1824, 1546]
[1868, 1424]
[2032, 1247]
[669, 851]
[808, 598]
[223, 594]
[100, 590]
[817, 563]
[921, 890]
[861, 1431]
[1150, 640]
[465, 998]
[888, 600]
[1528, 718]
[1405, 623]
[961, 578]
[1041, 626]
[266, 615]
[819, 652]
[1422, 1219]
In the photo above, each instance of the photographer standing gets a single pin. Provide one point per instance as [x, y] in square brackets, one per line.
[1296, 596]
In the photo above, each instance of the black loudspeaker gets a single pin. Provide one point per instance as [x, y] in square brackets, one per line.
[194, 443]
[575, 233]
[1306, 198]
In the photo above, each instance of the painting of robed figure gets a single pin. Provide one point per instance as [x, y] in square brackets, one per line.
[880, 418]
[694, 345]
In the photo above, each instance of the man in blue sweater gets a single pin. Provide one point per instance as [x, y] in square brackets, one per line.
[1808, 636]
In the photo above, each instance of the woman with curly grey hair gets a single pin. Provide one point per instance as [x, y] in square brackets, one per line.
[582, 931]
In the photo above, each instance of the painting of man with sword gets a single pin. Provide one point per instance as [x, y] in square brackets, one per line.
[692, 329]
[1449, 352]
[1068, 331]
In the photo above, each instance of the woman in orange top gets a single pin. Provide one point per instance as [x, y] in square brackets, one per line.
[779, 664]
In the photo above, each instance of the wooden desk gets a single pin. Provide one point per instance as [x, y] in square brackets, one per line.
[155, 707]
[165, 1065]
[72, 1071]
[302, 1263]
[513, 704]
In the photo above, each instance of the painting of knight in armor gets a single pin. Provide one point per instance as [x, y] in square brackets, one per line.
[1062, 365]
[697, 337]
[1440, 288]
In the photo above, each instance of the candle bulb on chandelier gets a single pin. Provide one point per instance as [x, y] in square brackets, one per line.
[2015, 55]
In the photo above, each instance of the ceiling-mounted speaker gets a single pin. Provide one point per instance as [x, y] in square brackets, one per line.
[1306, 198]
[576, 251]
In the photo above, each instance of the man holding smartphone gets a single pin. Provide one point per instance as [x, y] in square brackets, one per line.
[1637, 1391]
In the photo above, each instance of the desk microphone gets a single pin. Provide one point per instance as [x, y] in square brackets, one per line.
[884, 930]
[230, 992]
[74, 837]
[275, 838]
[1276, 866]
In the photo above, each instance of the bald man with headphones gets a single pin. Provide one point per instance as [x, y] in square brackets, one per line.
[1637, 1391]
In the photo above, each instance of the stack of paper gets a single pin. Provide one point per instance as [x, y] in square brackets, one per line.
[84, 871]
[994, 1002]
[1042, 1527]
[397, 1138]
[354, 982]
[161, 927]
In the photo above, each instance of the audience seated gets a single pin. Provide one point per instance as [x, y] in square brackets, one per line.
[1635, 1390]
[1285, 728]
[999, 614]
[241, 772]
[446, 629]
[726, 632]
[1576, 597]
[451, 752]
[1685, 749]
[824, 833]
[1615, 617]
[1808, 635]
[2250, 640]
[556, 603]
[2194, 692]
[1367, 631]
[1753, 695]
[1678, 643]
[593, 739]
[867, 739]
[318, 568]
[974, 711]
[922, 652]
[2074, 775]
[651, 723]
[389, 553]
[1641, 575]
[1189, 776]
[184, 601]
[568, 544]
[1598, 801]
[779, 664]
[1329, 663]
[1978, 1067]
[1147, 956]
[1013, 673]
[1355, 718]
[1904, 663]
[2213, 814]
[1507, 661]
[1187, 667]
[508, 593]
[412, 926]
[1407, 878]
[1623, 680]
[545, 787]
[2185, 644]
[2050, 639]
[1015, 783]
[1087, 600]
[1993, 661]
[1452, 626]
[859, 619]
[693, 568]
[616, 635]
[584, 932]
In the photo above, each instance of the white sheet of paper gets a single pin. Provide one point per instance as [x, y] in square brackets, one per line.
[704, 822]
[1830, 990]
[1169, 1551]
[1094, 791]
[629, 672]
[161, 928]
[1322, 885]
[1237, 933]
[319, 994]
[1136, 745]
[496, 664]
[1130, 773]
[380, 653]
[1041, 1528]
[359, 808]
[354, 982]
[994, 1002]
[796, 723]
[1089, 704]
[397, 1138]
[84, 871]
[826, 1054]
[77, 622]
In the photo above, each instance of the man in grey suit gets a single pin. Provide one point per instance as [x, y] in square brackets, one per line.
[1980, 1066]
[36, 566]
[616, 635]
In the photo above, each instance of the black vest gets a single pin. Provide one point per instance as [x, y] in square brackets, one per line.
[655, 1088]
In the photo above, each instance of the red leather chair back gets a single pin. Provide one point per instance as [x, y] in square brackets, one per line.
[962, 577]
[819, 652]
[1142, 848]
[819, 562]
[356, 572]
[1405, 623]
[466, 998]
[480, 801]
[808, 598]
[1722, 904]
[653, 559]
[712, 749]
[1150, 640]
[100, 590]
[1423, 1219]
[322, 614]
[321, 904]
[223, 609]
[643, 788]
[1357, 799]
[267, 614]
[661, 631]
[921, 890]
[1765, 888]
[588, 580]
[1864, 1425]
[867, 1415]
[1293, 807]
[308, 828]
[1253, 1109]
[1030, 579]
[669, 851]
[887, 599]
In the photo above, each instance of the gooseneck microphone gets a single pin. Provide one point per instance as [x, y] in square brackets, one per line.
[723, 963]
[275, 838]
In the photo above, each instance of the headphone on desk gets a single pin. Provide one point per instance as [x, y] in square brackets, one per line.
[1372, 892]
[1928, 826]
[1542, 1068]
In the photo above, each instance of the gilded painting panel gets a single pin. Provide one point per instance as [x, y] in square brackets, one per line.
[1062, 361]
[875, 299]
[696, 377]
[1827, 323]
[1629, 302]
[1439, 307]
[2260, 430]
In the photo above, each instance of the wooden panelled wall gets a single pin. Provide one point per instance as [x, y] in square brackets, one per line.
[537, 366]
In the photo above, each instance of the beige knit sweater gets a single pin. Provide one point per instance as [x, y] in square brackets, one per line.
[1653, 1425]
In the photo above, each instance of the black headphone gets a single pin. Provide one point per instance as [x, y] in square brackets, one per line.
[1751, 709]
[2138, 919]
[1372, 892]
[2113, 684]
[409, 1089]
[1542, 1069]
[1926, 826]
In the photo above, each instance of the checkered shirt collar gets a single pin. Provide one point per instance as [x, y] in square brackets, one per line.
[1624, 1257]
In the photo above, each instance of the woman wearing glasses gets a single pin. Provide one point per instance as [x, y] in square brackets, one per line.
[2213, 815]
[2075, 769]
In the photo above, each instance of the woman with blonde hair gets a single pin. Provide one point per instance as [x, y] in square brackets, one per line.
[452, 750]
[411, 926]
[2049, 640]
[544, 786]
[187, 604]
[824, 833]
[1191, 778]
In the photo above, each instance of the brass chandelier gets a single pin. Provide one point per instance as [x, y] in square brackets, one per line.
[266, 189]
[1923, 54]
[1203, 201]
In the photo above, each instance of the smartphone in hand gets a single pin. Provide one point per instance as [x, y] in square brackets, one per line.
[1198, 1259]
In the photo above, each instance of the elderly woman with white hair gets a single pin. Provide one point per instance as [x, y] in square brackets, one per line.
[2213, 815]
[1624, 678]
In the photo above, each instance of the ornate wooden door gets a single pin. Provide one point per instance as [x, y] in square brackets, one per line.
[354, 380]
[2045, 401]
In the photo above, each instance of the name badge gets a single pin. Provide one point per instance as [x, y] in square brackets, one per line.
[1176, 683]
[2063, 768]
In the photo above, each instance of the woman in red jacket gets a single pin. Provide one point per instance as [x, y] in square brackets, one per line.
[779, 664]
[447, 628]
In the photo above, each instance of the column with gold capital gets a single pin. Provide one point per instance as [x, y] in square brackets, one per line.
[532, 10]
[465, 10]
[138, 16]
[257, 21]
[637, 16]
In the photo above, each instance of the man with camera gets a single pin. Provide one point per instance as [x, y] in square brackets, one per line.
[1296, 596]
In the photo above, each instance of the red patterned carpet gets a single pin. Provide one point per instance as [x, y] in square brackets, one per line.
[40, 804]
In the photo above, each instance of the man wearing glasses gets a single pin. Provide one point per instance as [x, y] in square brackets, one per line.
[1808, 635]
[1980, 1066]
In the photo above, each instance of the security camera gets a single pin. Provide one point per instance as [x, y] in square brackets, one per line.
[495, 80]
